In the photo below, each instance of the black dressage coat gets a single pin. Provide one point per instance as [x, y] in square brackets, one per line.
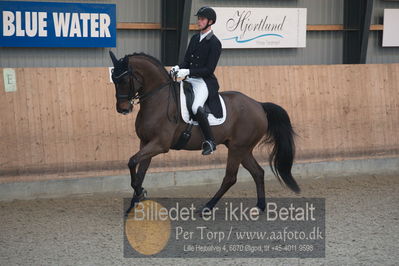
[201, 58]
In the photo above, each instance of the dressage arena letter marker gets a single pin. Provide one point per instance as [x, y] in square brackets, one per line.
[10, 80]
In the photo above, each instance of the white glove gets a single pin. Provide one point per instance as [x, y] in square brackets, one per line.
[183, 72]
[175, 68]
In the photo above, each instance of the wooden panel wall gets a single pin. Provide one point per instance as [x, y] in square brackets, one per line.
[62, 122]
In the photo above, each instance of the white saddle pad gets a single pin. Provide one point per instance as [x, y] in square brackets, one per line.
[213, 121]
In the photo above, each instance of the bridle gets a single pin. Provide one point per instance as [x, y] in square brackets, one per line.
[135, 94]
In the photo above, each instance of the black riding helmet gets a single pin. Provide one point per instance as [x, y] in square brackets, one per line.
[207, 12]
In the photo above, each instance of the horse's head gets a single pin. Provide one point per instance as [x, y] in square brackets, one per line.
[148, 76]
[126, 83]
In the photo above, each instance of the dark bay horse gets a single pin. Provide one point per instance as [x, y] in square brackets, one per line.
[249, 123]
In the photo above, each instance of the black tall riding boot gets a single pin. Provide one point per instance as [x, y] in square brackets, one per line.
[208, 146]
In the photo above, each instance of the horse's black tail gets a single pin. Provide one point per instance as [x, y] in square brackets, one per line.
[281, 133]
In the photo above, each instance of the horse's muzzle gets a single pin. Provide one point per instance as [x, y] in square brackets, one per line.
[124, 109]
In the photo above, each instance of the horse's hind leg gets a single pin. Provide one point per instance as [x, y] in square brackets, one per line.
[233, 163]
[258, 174]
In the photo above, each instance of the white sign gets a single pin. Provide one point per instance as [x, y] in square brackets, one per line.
[239, 27]
[10, 80]
[391, 32]
[110, 74]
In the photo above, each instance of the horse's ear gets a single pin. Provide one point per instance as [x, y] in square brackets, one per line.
[113, 57]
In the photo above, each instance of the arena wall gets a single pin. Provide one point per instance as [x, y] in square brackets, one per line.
[61, 122]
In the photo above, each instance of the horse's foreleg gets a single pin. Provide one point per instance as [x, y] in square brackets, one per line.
[258, 174]
[138, 178]
[143, 159]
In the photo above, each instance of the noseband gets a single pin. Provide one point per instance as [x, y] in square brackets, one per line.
[133, 93]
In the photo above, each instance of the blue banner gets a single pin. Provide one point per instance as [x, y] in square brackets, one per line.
[49, 24]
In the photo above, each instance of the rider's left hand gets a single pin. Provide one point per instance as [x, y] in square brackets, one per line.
[183, 72]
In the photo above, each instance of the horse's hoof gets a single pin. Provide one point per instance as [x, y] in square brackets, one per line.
[142, 196]
[132, 205]
[127, 212]
[256, 211]
[136, 199]
[144, 193]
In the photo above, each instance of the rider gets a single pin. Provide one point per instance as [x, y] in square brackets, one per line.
[199, 63]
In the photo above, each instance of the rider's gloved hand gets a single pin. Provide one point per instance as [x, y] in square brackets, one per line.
[183, 72]
[175, 68]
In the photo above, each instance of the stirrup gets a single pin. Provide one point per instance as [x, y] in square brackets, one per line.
[206, 145]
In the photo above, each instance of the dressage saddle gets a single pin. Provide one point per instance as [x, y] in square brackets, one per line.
[189, 93]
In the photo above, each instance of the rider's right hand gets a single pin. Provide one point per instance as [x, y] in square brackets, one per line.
[175, 69]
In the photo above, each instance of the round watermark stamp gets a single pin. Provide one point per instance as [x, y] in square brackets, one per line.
[147, 228]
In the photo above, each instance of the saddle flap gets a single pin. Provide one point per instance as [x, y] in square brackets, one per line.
[189, 93]
[186, 103]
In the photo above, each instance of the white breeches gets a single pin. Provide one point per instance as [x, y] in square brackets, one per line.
[200, 92]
